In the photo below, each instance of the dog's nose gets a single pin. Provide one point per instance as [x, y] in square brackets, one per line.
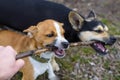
[111, 40]
[65, 44]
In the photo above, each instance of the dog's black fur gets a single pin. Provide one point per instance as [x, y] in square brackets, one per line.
[20, 14]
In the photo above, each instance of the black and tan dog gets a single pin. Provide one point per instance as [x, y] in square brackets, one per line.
[91, 29]
[19, 14]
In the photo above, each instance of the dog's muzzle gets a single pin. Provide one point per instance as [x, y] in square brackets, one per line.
[65, 44]
[99, 46]
[59, 50]
[110, 41]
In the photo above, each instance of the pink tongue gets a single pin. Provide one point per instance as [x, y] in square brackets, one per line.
[100, 46]
[60, 52]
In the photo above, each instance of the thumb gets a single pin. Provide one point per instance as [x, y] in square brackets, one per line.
[18, 65]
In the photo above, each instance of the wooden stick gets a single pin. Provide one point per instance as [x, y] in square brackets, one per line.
[29, 53]
[81, 43]
[25, 54]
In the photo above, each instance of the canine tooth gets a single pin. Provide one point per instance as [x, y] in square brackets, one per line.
[107, 50]
[95, 44]
[103, 50]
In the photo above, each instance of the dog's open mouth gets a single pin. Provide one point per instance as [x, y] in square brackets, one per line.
[59, 52]
[100, 47]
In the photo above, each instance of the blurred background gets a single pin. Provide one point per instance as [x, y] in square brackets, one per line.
[82, 62]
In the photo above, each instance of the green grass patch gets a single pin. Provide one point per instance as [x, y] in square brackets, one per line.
[87, 51]
[105, 21]
[116, 77]
[106, 64]
[114, 30]
[84, 60]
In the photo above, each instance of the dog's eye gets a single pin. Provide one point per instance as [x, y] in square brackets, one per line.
[50, 35]
[98, 31]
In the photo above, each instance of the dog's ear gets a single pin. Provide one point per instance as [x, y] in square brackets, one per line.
[30, 31]
[76, 20]
[91, 16]
[62, 24]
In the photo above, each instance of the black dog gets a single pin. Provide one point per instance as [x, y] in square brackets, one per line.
[20, 14]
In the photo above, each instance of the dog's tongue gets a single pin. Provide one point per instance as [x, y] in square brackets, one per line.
[100, 46]
[60, 52]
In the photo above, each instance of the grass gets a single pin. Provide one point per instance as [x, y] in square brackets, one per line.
[113, 28]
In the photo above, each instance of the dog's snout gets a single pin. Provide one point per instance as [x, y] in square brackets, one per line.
[111, 40]
[65, 44]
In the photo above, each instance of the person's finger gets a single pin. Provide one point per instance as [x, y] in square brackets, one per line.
[1, 47]
[18, 65]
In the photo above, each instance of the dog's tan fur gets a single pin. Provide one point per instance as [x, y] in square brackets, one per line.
[37, 39]
[18, 41]
[88, 35]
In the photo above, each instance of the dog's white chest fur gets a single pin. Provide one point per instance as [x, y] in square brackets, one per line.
[40, 68]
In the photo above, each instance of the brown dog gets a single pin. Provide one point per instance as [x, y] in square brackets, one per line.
[46, 33]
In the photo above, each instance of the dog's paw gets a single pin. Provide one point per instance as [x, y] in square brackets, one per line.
[56, 67]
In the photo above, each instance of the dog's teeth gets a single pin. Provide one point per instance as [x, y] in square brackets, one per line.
[107, 50]
[95, 44]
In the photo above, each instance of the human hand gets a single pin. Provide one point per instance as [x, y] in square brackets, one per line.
[8, 64]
